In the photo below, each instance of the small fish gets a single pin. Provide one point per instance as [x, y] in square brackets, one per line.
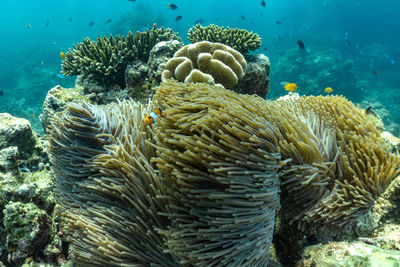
[242, 17]
[59, 75]
[172, 6]
[62, 55]
[144, 28]
[279, 37]
[263, 3]
[290, 87]
[28, 26]
[151, 119]
[131, 0]
[197, 21]
[328, 90]
[1, 92]
[278, 22]
[178, 18]
[346, 38]
[376, 72]
[369, 111]
[47, 23]
[91, 23]
[33, 116]
[108, 21]
[300, 43]
[392, 61]
[69, 19]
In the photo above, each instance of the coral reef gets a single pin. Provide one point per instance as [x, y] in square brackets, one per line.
[28, 229]
[314, 71]
[102, 164]
[141, 77]
[206, 62]
[202, 185]
[105, 59]
[342, 254]
[239, 39]
[17, 132]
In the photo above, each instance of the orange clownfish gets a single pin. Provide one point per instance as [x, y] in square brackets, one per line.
[62, 55]
[151, 119]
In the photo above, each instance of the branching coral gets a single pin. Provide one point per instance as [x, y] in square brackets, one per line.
[239, 39]
[206, 62]
[107, 58]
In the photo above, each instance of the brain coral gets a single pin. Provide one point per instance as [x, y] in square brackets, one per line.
[239, 39]
[206, 62]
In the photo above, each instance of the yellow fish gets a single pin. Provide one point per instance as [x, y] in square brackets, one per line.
[290, 87]
[62, 55]
[328, 90]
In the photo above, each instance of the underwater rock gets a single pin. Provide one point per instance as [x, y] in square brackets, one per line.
[386, 208]
[391, 142]
[56, 99]
[159, 56]
[8, 159]
[92, 86]
[256, 80]
[137, 84]
[32, 193]
[340, 254]
[387, 236]
[28, 230]
[16, 132]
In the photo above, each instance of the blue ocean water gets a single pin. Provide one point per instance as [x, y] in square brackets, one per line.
[351, 46]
